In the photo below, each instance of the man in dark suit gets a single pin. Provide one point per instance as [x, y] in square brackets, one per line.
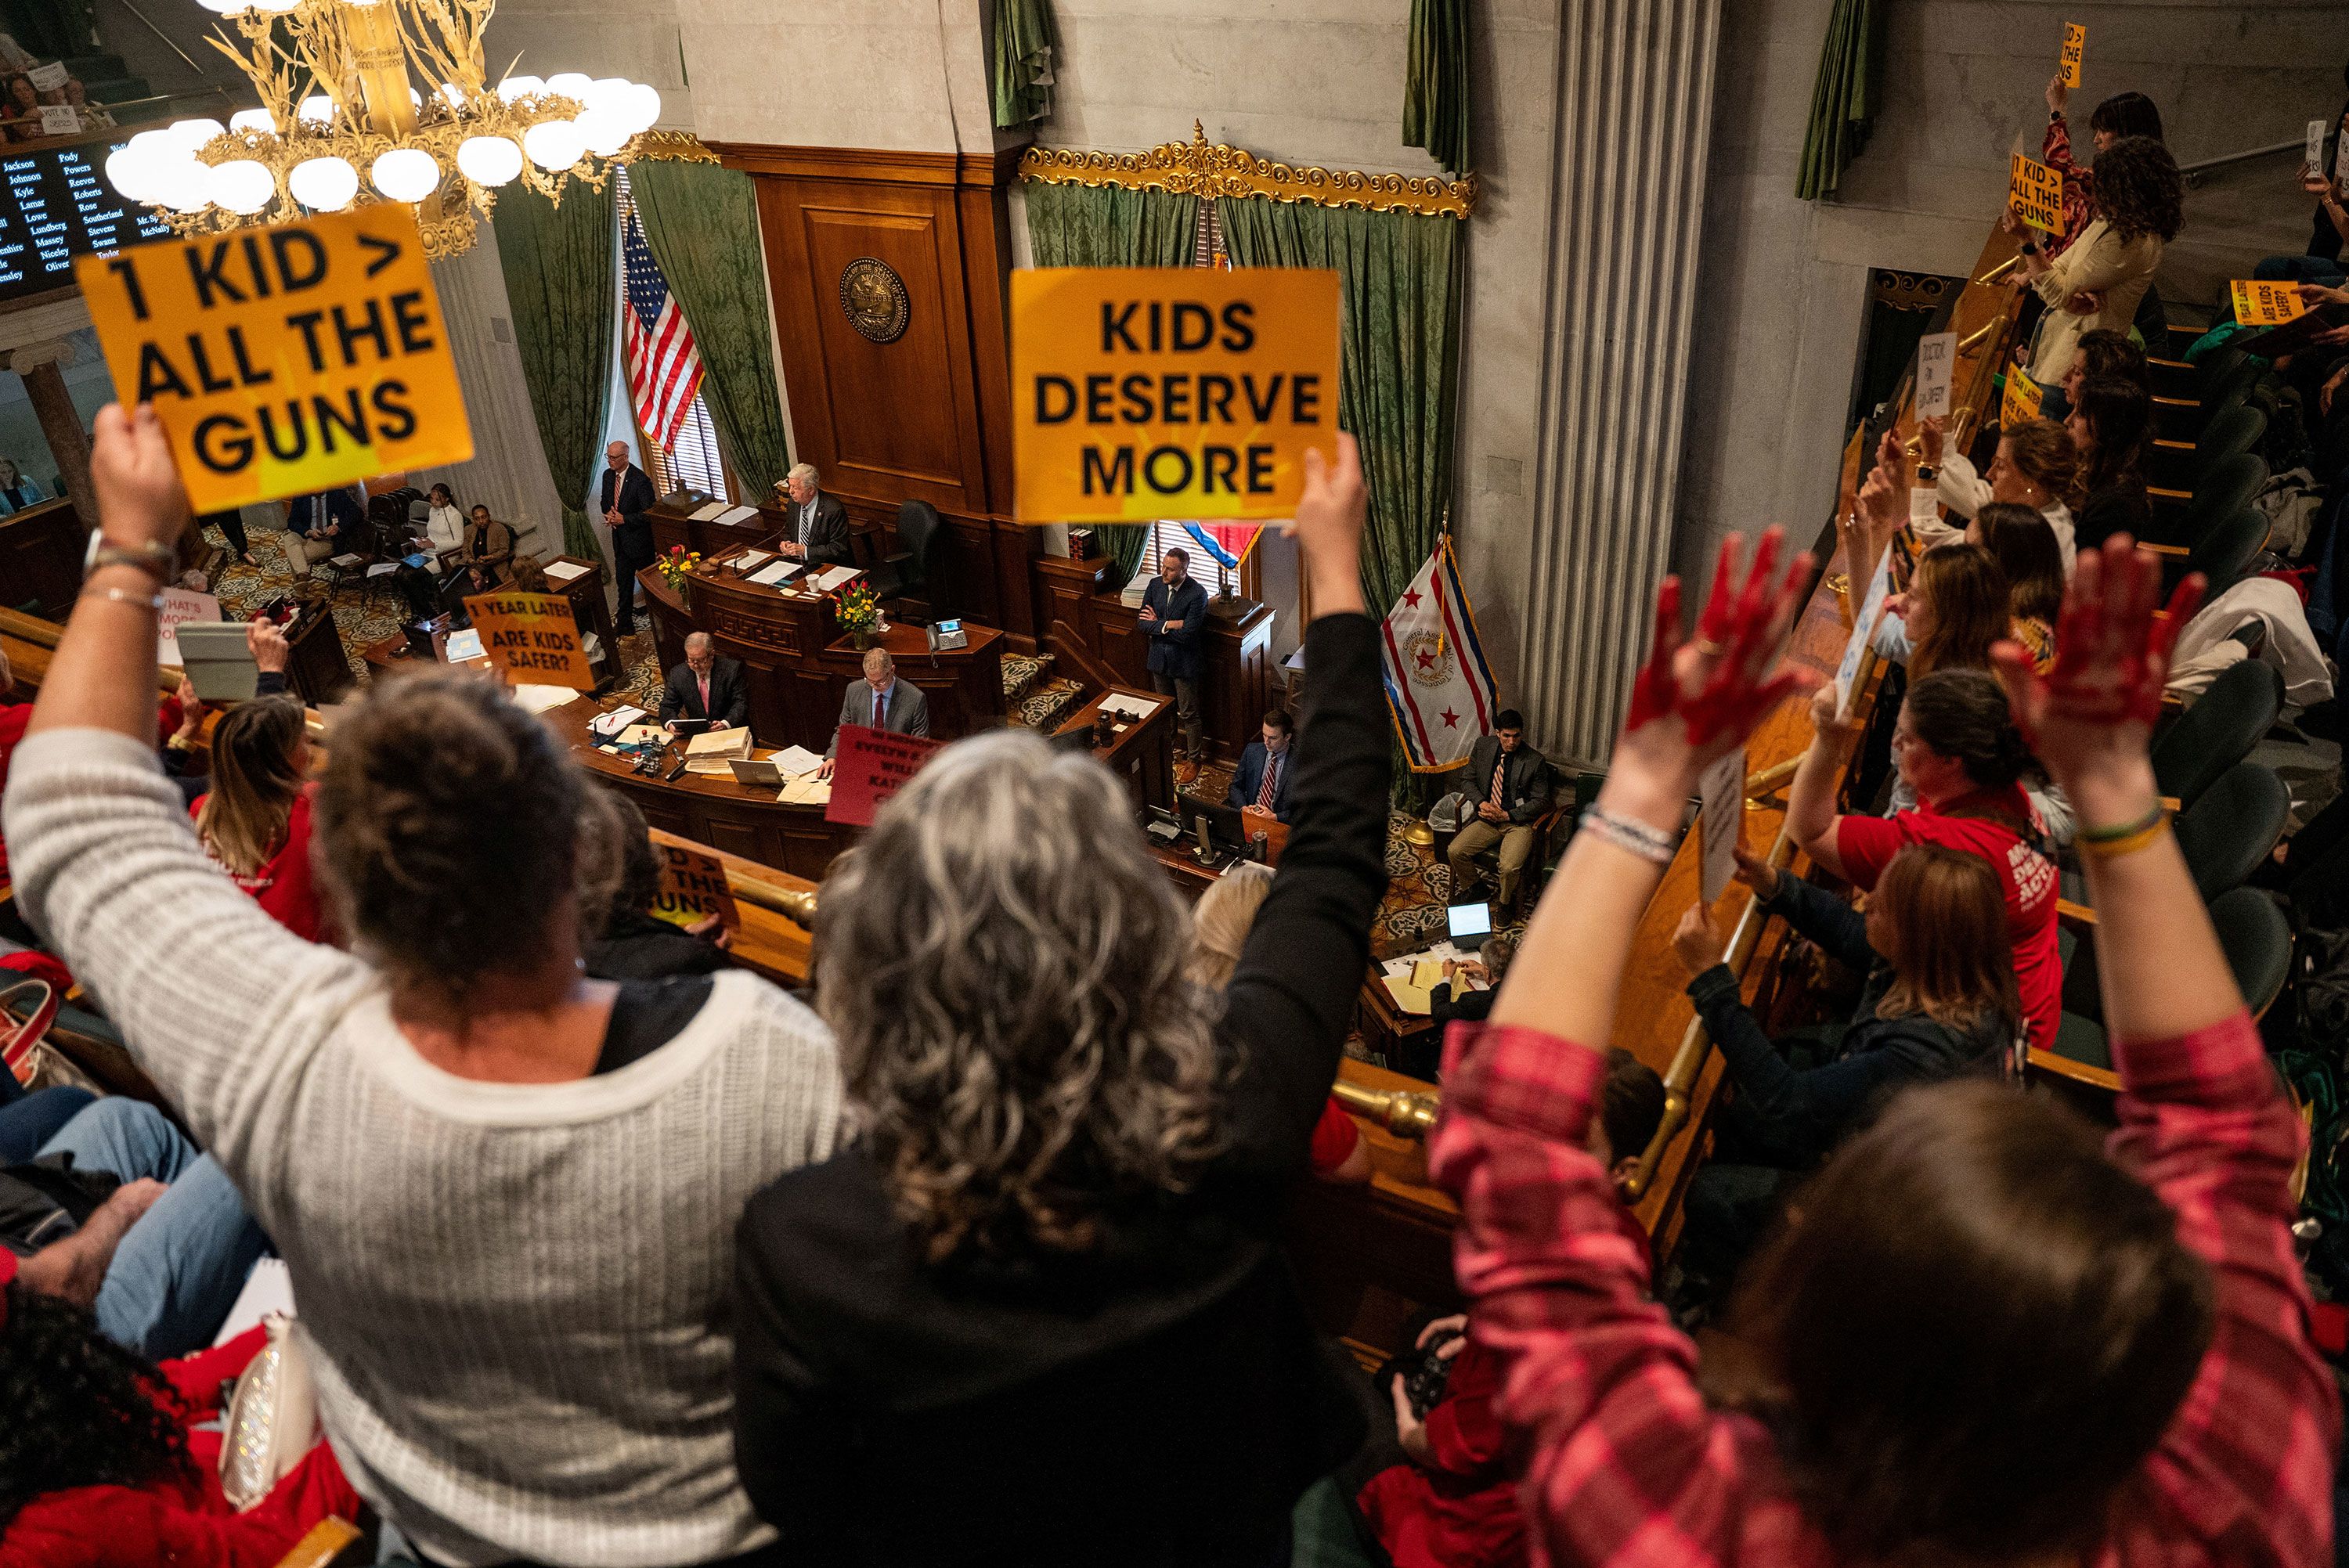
[1510, 784]
[880, 701]
[819, 532]
[1260, 783]
[627, 496]
[1174, 618]
[706, 686]
[329, 523]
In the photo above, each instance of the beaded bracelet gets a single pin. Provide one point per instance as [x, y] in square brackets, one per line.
[2127, 838]
[1637, 838]
[124, 596]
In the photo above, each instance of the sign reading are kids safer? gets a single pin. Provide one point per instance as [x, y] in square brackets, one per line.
[532, 637]
[286, 359]
[1177, 392]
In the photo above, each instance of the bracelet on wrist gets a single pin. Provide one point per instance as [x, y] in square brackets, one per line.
[125, 596]
[1637, 838]
[2123, 838]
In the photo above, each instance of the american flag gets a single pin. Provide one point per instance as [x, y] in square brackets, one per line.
[664, 366]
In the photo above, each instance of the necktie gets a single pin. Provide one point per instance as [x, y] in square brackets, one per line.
[1500, 773]
[1271, 776]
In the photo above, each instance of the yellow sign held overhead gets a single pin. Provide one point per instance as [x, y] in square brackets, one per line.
[532, 637]
[2036, 193]
[1177, 392]
[2259, 303]
[288, 359]
[2023, 396]
[2075, 47]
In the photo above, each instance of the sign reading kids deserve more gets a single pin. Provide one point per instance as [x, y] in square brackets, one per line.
[288, 359]
[1175, 392]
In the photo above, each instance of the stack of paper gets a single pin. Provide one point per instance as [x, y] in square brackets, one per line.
[806, 789]
[738, 516]
[542, 699]
[710, 752]
[705, 513]
[750, 558]
[347, 560]
[1427, 974]
[606, 726]
[796, 759]
[831, 577]
[1409, 997]
[382, 567]
[1128, 707]
[564, 571]
[644, 735]
[775, 576]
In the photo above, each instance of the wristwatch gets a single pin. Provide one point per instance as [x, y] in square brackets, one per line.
[160, 562]
[1928, 472]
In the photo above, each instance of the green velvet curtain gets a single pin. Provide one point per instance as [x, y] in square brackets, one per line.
[1109, 226]
[1399, 282]
[1021, 69]
[558, 264]
[1843, 101]
[701, 221]
[1435, 84]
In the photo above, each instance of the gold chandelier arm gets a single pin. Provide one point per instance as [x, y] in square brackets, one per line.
[1199, 168]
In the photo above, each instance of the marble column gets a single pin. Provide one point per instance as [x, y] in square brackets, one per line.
[1634, 121]
[42, 364]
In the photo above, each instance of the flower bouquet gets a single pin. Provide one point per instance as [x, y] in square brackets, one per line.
[677, 564]
[859, 612]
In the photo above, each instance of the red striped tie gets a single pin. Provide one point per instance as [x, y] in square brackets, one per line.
[1271, 774]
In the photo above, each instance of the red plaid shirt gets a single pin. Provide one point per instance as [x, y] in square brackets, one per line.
[1627, 1464]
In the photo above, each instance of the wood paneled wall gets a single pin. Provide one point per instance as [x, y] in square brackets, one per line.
[927, 415]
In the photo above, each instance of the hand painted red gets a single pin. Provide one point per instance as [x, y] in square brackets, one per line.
[2112, 651]
[1716, 684]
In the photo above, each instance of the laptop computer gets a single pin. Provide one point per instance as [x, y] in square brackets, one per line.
[756, 771]
[1470, 923]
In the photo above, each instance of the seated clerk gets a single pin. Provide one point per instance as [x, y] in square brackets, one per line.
[525, 1095]
[1260, 782]
[117, 1473]
[1976, 1265]
[1423, 1053]
[1939, 1000]
[1510, 783]
[255, 822]
[879, 701]
[1451, 1500]
[2036, 466]
[1048, 1279]
[487, 542]
[619, 878]
[1220, 922]
[327, 522]
[2110, 421]
[706, 686]
[1957, 746]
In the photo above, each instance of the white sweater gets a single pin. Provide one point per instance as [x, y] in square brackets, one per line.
[513, 1295]
[1966, 492]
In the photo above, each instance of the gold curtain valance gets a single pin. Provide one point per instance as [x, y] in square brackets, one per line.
[1199, 168]
[670, 146]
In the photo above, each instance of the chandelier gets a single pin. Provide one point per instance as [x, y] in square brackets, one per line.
[344, 121]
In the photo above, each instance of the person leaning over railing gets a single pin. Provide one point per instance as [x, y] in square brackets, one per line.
[505, 1192]
[1986, 1339]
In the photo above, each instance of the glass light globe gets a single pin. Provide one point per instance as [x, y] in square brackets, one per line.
[131, 168]
[490, 160]
[603, 132]
[324, 184]
[452, 95]
[194, 133]
[514, 87]
[609, 93]
[406, 174]
[570, 84]
[317, 110]
[258, 121]
[243, 185]
[184, 185]
[647, 102]
[554, 144]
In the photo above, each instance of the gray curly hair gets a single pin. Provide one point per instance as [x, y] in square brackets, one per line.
[1002, 964]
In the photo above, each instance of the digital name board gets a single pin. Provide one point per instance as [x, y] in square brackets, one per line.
[55, 205]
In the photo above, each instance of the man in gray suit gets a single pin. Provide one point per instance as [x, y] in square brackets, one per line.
[880, 701]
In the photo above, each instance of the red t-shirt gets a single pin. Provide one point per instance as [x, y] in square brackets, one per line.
[1334, 1137]
[1865, 845]
[13, 720]
[284, 885]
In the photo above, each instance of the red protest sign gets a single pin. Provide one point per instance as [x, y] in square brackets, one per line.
[869, 765]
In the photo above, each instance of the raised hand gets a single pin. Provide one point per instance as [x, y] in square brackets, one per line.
[139, 501]
[1330, 516]
[2089, 718]
[2059, 95]
[1696, 941]
[1756, 872]
[1698, 700]
[1929, 440]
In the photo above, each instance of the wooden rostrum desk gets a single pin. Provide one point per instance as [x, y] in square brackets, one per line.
[798, 666]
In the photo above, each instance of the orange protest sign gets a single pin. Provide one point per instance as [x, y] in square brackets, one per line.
[2023, 396]
[2075, 47]
[532, 637]
[286, 359]
[1176, 392]
[2259, 303]
[2036, 193]
[693, 887]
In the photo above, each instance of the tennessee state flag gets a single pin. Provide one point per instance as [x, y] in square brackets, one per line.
[1439, 688]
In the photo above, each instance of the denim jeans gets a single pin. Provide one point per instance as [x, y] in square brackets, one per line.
[29, 1120]
[179, 1270]
[2300, 269]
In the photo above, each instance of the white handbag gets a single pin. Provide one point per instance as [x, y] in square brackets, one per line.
[272, 1418]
